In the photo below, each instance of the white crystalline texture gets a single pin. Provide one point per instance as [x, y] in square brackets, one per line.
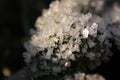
[64, 33]
[85, 33]
[93, 28]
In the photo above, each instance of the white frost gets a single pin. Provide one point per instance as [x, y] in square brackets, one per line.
[85, 33]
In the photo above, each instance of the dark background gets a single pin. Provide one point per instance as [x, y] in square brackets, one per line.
[17, 17]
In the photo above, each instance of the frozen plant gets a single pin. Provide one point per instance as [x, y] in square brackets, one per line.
[67, 37]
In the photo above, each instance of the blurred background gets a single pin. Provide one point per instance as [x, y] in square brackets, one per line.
[17, 17]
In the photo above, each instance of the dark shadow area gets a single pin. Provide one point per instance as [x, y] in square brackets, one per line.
[110, 70]
[16, 19]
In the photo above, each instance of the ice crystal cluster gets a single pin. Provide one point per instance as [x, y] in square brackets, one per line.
[69, 35]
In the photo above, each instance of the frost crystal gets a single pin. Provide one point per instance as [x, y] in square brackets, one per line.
[65, 34]
[85, 33]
